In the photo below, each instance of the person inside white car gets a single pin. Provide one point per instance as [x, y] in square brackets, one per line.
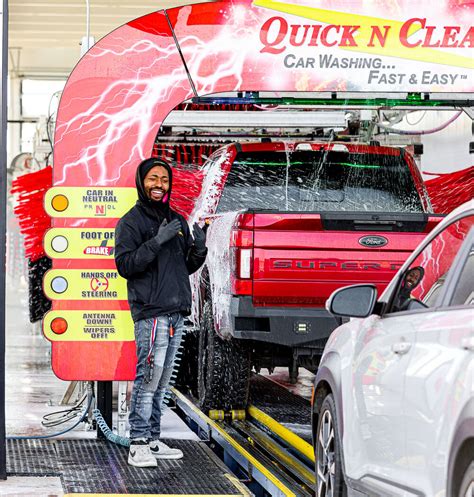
[411, 280]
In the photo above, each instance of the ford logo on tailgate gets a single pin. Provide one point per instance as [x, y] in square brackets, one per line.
[373, 241]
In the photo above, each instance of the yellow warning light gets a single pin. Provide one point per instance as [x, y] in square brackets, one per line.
[58, 326]
[60, 203]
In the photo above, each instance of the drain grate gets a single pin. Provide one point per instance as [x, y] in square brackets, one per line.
[96, 466]
[31, 458]
[276, 401]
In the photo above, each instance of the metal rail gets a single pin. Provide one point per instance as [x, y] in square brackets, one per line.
[282, 432]
[278, 453]
[264, 450]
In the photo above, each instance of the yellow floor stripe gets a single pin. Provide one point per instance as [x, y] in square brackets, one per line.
[244, 491]
[155, 495]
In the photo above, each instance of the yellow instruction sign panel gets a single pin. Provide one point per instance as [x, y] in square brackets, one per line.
[84, 284]
[79, 243]
[88, 326]
[89, 202]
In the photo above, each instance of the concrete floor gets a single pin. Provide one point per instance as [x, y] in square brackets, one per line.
[31, 388]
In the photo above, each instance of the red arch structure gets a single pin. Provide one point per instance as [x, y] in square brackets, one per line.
[121, 91]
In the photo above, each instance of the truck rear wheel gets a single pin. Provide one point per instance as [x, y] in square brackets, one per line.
[224, 368]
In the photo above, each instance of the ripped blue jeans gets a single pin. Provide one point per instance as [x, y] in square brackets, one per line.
[151, 383]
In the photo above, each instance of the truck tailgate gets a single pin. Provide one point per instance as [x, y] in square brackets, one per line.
[300, 259]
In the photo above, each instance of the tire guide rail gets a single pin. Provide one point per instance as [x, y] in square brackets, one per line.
[257, 452]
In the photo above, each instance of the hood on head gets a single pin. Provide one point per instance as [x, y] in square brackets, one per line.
[142, 171]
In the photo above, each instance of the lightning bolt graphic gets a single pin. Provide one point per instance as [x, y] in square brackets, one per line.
[128, 105]
[125, 105]
[102, 142]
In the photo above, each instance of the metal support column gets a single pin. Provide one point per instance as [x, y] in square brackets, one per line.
[122, 409]
[104, 403]
[3, 210]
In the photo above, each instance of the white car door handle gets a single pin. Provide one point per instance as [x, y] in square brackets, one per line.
[401, 347]
[468, 344]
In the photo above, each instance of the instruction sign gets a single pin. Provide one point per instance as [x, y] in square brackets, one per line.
[88, 284]
[89, 202]
[78, 243]
[88, 326]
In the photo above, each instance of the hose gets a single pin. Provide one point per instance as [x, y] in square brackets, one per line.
[108, 433]
[41, 437]
[425, 132]
[59, 417]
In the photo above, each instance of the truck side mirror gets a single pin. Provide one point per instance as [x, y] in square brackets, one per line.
[356, 301]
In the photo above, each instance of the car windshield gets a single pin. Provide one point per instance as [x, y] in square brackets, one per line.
[319, 181]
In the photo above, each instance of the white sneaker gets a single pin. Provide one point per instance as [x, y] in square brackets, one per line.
[161, 451]
[139, 455]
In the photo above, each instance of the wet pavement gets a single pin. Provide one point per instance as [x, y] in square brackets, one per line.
[31, 388]
[33, 391]
[303, 386]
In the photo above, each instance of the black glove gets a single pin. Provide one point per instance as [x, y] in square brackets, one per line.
[167, 231]
[199, 238]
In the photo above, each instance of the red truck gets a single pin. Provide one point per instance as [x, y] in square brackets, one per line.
[290, 223]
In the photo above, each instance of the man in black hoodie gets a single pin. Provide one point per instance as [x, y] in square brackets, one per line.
[155, 253]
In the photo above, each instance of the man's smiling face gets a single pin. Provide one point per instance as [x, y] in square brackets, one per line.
[156, 183]
[413, 277]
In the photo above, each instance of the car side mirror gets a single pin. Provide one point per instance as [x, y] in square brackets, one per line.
[356, 301]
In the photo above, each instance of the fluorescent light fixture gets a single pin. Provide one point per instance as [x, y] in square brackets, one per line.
[255, 119]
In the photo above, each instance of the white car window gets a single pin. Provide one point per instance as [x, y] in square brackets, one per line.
[464, 292]
[425, 278]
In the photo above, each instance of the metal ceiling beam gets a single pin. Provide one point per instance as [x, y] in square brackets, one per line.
[53, 24]
[346, 101]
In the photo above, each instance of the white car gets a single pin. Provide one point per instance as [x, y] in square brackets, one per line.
[393, 405]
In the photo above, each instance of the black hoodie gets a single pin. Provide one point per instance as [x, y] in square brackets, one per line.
[157, 277]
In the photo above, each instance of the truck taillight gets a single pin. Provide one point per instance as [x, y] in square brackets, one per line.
[242, 238]
[242, 243]
[245, 263]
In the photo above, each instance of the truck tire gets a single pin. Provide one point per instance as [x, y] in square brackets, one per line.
[224, 368]
[328, 451]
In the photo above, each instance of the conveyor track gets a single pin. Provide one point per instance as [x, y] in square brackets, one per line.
[257, 445]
